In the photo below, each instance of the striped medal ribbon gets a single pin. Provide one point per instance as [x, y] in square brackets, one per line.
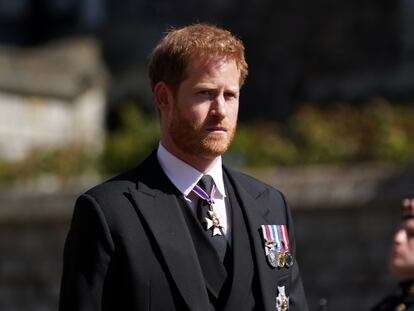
[285, 241]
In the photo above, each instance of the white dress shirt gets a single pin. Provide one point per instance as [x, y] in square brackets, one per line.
[185, 177]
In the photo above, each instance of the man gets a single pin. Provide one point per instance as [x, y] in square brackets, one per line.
[181, 231]
[402, 263]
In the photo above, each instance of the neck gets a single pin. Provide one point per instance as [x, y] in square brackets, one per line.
[201, 163]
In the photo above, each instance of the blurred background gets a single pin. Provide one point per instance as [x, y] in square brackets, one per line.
[327, 116]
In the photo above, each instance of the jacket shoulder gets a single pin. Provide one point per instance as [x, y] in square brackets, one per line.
[110, 200]
[117, 184]
[254, 185]
[120, 183]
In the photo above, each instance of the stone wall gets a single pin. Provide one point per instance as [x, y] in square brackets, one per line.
[50, 96]
[33, 226]
[343, 256]
[30, 266]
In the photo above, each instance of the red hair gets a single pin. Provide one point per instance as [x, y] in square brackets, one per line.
[171, 56]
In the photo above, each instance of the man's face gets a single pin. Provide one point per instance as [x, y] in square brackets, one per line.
[402, 255]
[201, 121]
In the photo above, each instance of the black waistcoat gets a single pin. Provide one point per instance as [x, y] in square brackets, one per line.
[230, 284]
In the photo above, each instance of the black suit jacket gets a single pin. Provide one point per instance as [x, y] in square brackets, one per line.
[129, 248]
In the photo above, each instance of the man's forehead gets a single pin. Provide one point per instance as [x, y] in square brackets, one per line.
[200, 67]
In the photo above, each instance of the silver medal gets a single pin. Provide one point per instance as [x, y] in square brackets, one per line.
[282, 301]
[272, 258]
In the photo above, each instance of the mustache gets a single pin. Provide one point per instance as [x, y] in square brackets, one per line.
[218, 122]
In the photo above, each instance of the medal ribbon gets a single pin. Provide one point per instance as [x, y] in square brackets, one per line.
[284, 237]
[204, 195]
[276, 233]
[268, 238]
[271, 234]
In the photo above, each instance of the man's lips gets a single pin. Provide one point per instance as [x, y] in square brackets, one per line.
[216, 129]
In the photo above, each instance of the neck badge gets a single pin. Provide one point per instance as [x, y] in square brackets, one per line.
[212, 222]
[276, 242]
[282, 300]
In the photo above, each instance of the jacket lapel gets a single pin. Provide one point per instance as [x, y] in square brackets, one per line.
[156, 201]
[243, 266]
[257, 214]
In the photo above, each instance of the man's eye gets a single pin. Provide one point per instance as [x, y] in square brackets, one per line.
[230, 95]
[205, 92]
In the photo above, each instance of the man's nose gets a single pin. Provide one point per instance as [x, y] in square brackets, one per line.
[219, 106]
[400, 236]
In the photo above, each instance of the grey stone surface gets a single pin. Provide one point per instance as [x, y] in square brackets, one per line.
[30, 265]
[348, 186]
[343, 255]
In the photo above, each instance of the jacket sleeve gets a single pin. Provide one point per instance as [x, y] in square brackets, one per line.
[87, 254]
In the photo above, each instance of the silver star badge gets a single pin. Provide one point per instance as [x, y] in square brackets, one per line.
[214, 222]
[282, 300]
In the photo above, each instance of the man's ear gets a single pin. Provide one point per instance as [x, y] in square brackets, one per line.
[162, 96]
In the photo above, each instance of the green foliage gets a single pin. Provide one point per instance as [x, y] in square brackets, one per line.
[394, 140]
[377, 131]
[131, 143]
[262, 144]
[63, 164]
[326, 135]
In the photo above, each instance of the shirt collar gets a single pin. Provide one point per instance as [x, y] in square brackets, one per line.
[185, 177]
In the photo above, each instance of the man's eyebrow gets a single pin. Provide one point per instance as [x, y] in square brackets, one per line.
[204, 86]
[233, 90]
[209, 86]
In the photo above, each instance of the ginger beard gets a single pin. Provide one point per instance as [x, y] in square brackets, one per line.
[195, 139]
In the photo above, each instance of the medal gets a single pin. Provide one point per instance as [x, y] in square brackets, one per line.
[280, 249]
[272, 258]
[282, 301]
[277, 246]
[285, 241]
[270, 246]
[288, 259]
[280, 260]
[271, 253]
[212, 221]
